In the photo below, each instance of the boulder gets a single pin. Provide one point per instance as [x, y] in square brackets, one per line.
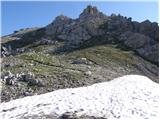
[46, 41]
[9, 81]
[35, 82]
[8, 78]
[25, 77]
[80, 61]
[5, 51]
[88, 73]
[27, 94]
[20, 50]
[8, 73]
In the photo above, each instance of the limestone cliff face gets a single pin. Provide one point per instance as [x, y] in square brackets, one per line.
[92, 23]
[78, 30]
[57, 26]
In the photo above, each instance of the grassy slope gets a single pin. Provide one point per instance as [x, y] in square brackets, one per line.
[56, 70]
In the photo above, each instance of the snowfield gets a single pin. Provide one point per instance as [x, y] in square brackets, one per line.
[128, 97]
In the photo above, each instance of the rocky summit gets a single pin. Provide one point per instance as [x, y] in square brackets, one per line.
[69, 53]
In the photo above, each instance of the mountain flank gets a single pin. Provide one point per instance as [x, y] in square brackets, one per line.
[70, 53]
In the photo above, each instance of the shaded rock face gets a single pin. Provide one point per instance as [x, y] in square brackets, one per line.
[150, 52]
[119, 24]
[145, 46]
[22, 38]
[135, 40]
[149, 29]
[141, 37]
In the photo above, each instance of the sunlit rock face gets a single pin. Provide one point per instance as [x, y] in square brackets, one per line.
[128, 97]
[76, 31]
[57, 25]
[93, 24]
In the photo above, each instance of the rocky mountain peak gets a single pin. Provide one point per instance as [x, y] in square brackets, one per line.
[57, 25]
[89, 11]
[62, 18]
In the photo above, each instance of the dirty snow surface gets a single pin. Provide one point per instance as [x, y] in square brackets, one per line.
[128, 97]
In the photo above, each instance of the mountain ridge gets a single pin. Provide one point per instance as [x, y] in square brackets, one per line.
[92, 23]
[77, 52]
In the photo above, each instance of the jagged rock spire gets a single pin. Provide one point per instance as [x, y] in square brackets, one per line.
[89, 11]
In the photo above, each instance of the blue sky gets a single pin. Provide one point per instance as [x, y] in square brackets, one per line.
[17, 15]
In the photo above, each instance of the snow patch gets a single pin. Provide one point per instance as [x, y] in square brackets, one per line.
[128, 97]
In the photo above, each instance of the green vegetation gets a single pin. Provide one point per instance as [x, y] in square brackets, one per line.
[104, 55]
[56, 70]
[49, 64]
[41, 58]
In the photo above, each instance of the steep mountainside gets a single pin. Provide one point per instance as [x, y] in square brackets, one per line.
[77, 52]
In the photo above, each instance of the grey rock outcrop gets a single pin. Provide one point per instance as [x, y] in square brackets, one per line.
[150, 52]
[30, 79]
[25, 76]
[11, 79]
[45, 41]
[142, 37]
[111, 29]
[57, 26]
[78, 30]
[80, 61]
[119, 24]
[8, 78]
[6, 51]
[142, 44]
[32, 82]
[89, 12]
[150, 29]
[92, 27]
[135, 40]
